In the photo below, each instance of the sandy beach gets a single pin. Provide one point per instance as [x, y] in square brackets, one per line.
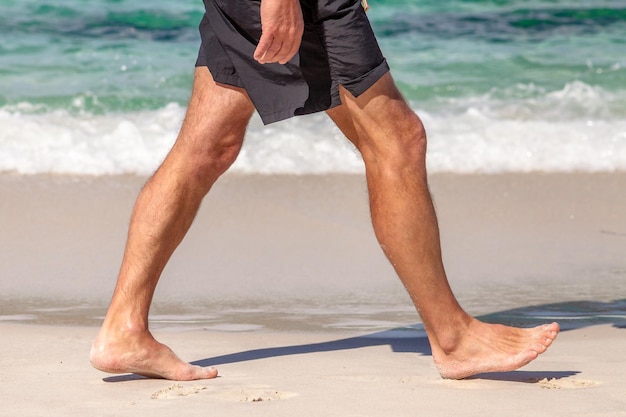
[281, 285]
[307, 374]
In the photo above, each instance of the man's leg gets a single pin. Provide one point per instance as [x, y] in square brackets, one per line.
[209, 141]
[392, 141]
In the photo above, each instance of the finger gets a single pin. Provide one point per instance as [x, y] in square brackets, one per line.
[264, 44]
[273, 53]
[290, 49]
[287, 52]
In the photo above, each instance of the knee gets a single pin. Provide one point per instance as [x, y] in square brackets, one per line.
[411, 142]
[202, 156]
[219, 155]
[215, 156]
[400, 145]
[222, 141]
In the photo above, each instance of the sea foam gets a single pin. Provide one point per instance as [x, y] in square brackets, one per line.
[575, 129]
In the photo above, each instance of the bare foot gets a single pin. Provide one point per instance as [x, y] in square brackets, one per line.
[140, 353]
[493, 348]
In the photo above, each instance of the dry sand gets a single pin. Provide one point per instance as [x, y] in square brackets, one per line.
[45, 373]
[282, 286]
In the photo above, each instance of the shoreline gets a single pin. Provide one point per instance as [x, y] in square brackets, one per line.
[304, 247]
[281, 285]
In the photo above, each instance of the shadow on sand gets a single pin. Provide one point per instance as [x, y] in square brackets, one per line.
[570, 315]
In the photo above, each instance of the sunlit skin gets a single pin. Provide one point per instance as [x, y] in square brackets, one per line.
[392, 142]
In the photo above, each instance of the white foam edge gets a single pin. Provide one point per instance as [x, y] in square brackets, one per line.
[477, 140]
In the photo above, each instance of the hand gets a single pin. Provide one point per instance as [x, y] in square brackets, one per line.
[282, 27]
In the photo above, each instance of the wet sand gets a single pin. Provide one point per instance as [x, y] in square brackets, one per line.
[281, 285]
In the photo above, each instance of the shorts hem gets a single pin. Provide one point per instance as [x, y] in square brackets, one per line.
[359, 85]
[356, 87]
[268, 118]
[223, 78]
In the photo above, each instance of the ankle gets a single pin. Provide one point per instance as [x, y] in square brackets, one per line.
[123, 325]
[448, 338]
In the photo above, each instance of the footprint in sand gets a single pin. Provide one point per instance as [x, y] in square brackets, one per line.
[176, 391]
[253, 395]
[565, 383]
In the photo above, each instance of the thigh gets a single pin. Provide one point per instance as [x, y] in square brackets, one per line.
[216, 114]
[380, 122]
[382, 106]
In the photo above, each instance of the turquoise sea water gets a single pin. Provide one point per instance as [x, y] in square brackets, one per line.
[99, 86]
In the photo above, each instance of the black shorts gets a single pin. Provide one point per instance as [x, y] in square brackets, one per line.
[338, 48]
